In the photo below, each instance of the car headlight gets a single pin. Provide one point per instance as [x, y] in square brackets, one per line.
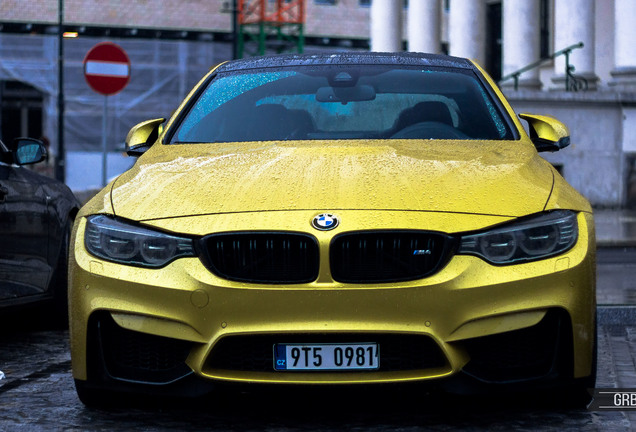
[114, 240]
[530, 239]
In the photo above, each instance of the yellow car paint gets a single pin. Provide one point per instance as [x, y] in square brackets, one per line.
[449, 186]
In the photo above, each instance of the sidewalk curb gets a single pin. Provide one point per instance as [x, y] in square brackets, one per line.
[616, 315]
[616, 243]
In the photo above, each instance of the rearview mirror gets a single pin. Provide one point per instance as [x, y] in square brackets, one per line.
[143, 135]
[345, 94]
[547, 133]
[28, 151]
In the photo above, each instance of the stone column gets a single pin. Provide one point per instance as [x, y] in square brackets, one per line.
[521, 41]
[574, 23]
[424, 26]
[624, 72]
[467, 29]
[386, 25]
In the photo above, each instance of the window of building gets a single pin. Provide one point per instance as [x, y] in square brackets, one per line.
[493, 39]
[544, 25]
[325, 2]
[367, 3]
[20, 110]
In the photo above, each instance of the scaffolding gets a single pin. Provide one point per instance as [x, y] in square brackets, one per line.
[267, 26]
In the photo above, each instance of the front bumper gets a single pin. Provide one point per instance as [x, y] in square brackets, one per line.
[468, 318]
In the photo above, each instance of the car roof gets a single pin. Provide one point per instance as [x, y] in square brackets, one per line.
[347, 58]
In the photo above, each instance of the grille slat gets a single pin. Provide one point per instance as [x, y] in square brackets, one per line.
[357, 257]
[527, 353]
[262, 257]
[388, 256]
[141, 357]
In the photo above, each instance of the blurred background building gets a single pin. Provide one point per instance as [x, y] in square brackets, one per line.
[172, 44]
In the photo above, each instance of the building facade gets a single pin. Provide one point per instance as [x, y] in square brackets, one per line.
[579, 58]
[173, 43]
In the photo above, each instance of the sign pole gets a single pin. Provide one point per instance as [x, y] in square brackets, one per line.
[60, 165]
[105, 143]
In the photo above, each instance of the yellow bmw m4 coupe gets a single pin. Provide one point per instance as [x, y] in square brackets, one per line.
[352, 218]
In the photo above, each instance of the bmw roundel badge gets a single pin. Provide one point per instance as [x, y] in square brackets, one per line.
[325, 221]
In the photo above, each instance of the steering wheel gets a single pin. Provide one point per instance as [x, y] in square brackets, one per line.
[429, 130]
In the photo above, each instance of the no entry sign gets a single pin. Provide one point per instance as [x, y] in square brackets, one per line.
[107, 68]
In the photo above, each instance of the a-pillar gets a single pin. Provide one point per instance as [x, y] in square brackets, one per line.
[521, 41]
[467, 29]
[424, 30]
[624, 72]
[386, 25]
[574, 23]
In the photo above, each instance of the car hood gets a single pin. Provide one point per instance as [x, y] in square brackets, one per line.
[493, 178]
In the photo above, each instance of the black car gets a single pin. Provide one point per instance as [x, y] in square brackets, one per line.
[36, 216]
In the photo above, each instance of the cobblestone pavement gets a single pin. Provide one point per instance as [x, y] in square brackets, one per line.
[38, 394]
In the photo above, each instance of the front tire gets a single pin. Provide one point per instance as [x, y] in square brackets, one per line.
[94, 398]
[579, 393]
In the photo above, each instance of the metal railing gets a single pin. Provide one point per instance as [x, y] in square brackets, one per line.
[572, 82]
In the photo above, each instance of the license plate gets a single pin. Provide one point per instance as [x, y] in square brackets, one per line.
[353, 356]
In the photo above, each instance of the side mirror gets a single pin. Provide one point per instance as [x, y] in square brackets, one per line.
[28, 151]
[143, 135]
[547, 133]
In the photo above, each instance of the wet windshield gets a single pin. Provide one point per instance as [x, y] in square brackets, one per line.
[357, 102]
